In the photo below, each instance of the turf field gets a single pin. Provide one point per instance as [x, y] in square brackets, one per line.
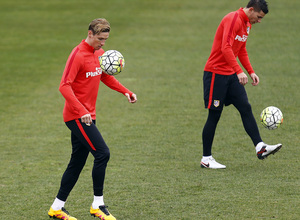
[155, 144]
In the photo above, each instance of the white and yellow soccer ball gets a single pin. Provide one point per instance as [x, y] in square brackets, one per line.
[271, 117]
[112, 62]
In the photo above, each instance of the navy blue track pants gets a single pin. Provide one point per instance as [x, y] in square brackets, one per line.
[220, 90]
[85, 139]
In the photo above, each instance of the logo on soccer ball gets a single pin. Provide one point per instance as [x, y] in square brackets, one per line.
[271, 117]
[112, 62]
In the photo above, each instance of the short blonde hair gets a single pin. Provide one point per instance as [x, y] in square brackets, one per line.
[99, 25]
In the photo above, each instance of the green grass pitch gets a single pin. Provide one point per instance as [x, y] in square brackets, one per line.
[154, 171]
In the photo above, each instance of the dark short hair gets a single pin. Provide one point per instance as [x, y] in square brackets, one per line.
[259, 5]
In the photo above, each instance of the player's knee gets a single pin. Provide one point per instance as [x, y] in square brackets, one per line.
[102, 155]
[107, 154]
[246, 108]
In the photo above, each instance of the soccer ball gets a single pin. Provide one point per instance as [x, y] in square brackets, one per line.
[271, 117]
[112, 62]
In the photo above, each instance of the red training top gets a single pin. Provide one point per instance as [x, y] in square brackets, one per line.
[229, 43]
[80, 82]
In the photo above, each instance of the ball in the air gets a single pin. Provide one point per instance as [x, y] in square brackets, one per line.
[112, 62]
[271, 117]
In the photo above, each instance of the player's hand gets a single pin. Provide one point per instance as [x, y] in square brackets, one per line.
[132, 98]
[87, 119]
[255, 79]
[243, 79]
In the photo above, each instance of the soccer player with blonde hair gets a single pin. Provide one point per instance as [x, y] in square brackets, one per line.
[79, 86]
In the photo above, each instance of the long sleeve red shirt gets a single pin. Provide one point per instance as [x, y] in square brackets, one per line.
[80, 82]
[230, 43]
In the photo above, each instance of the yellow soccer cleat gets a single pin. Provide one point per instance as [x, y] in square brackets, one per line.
[60, 214]
[102, 213]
